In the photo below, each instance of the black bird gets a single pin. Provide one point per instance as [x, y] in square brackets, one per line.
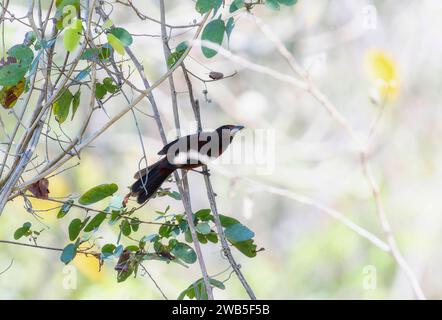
[182, 153]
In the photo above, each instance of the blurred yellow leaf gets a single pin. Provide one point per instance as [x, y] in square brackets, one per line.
[382, 70]
[88, 265]
[59, 188]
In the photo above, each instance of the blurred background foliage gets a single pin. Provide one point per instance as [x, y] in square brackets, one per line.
[383, 75]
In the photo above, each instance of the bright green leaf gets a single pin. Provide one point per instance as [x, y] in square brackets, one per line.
[98, 193]
[95, 222]
[227, 221]
[115, 43]
[100, 90]
[204, 214]
[125, 228]
[109, 85]
[248, 247]
[22, 231]
[74, 228]
[62, 105]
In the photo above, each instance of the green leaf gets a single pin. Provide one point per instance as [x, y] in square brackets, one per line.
[108, 248]
[11, 74]
[115, 43]
[204, 214]
[213, 32]
[98, 193]
[164, 231]
[175, 195]
[30, 38]
[65, 209]
[203, 6]
[62, 105]
[22, 53]
[124, 274]
[236, 5]
[201, 238]
[203, 228]
[75, 103]
[182, 46]
[135, 224]
[216, 283]
[74, 228]
[229, 27]
[22, 231]
[248, 247]
[100, 90]
[184, 252]
[288, 2]
[122, 35]
[105, 52]
[125, 228]
[173, 58]
[238, 232]
[109, 85]
[107, 24]
[95, 222]
[71, 38]
[132, 248]
[227, 221]
[272, 4]
[212, 237]
[198, 289]
[68, 253]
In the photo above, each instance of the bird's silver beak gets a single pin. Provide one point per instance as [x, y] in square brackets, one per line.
[236, 129]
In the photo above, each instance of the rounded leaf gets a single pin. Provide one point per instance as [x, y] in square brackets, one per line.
[184, 252]
[213, 32]
[122, 35]
[11, 74]
[98, 193]
[74, 229]
[68, 253]
[203, 228]
[71, 39]
[95, 222]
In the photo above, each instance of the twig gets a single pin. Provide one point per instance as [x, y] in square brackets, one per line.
[183, 185]
[211, 196]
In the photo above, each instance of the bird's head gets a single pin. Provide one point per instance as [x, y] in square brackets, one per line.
[230, 128]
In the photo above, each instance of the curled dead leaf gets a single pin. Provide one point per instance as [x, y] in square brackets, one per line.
[216, 75]
[40, 188]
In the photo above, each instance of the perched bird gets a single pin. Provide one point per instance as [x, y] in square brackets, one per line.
[181, 153]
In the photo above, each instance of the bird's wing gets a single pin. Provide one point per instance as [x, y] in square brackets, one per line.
[163, 151]
[184, 143]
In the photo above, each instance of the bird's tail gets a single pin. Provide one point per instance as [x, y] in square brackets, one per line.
[148, 184]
